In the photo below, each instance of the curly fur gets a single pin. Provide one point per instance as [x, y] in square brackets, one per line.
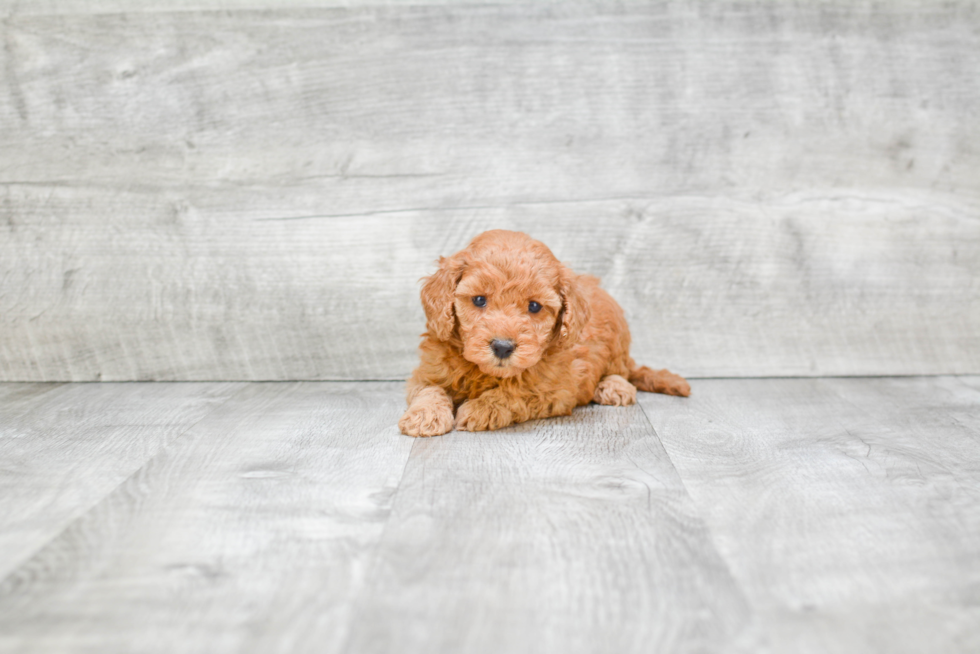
[575, 350]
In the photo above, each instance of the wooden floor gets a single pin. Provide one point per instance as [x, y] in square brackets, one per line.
[760, 515]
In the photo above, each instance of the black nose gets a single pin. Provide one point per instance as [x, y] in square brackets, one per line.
[501, 348]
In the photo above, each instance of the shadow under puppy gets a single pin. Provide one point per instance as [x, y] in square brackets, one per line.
[513, 335]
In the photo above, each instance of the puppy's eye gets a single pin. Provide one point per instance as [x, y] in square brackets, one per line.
[534, 307]
[480, 301]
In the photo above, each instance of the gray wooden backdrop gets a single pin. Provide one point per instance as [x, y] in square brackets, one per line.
[250, 190]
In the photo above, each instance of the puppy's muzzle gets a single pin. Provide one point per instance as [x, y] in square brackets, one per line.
[502, 348]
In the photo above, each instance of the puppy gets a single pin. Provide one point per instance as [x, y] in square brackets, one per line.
[513, 335]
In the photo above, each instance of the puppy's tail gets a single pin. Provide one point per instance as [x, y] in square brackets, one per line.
[659, 381]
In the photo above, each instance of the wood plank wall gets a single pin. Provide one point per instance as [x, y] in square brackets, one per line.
[242, 191]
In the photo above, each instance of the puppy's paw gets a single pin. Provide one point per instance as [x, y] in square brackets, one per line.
[426, 419]
[483, 414]
[614, 390]
[675, 384]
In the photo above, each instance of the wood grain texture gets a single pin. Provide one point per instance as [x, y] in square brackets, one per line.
[794, 515]
[768, 188]
[246, 534]
[562, 535]
[62, 7]
[16, 399]
[711, 287]
[847, 509]
[64, 448]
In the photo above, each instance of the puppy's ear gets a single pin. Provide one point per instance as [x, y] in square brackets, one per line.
[574, 308]
[437, 297]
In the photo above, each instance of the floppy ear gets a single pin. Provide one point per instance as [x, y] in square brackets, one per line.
[574, 308]
[437, 297]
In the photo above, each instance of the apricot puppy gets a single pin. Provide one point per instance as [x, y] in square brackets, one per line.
[514, 335]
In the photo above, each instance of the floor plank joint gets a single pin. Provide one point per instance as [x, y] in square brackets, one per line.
[759, 515]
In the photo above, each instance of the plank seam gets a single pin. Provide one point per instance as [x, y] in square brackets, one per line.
[710, 534]
[84, 512]
[371, 558]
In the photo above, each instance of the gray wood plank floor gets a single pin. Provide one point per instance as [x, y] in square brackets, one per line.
[759, 515]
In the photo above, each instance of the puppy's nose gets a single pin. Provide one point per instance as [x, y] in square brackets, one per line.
[502, 348]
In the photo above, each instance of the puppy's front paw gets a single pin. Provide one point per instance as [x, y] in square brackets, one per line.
[482, 414]
[426, 419]
[614, 390]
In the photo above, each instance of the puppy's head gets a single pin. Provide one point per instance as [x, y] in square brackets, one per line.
[504, 300]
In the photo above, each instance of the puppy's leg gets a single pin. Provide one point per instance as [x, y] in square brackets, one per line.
[659, 381]
[430, 413]
[613, 390]
[498, 408]
[489, 411]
